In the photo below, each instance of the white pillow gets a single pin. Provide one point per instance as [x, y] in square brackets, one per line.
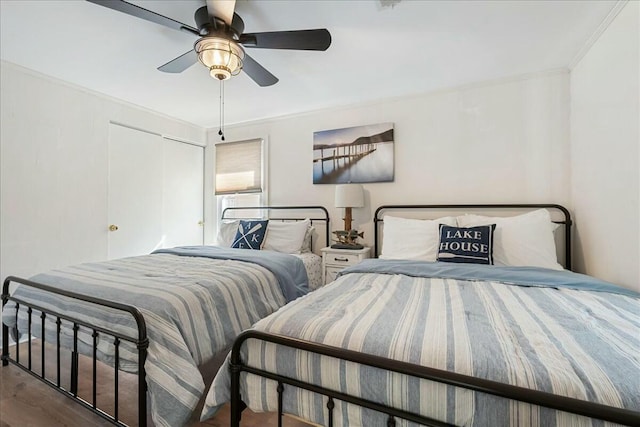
[523, 240]
[285, 237]
[306, 242]
[227, 233]
[405, 238]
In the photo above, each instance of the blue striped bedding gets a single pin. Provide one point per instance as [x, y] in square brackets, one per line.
[194, 306]
[531, 328]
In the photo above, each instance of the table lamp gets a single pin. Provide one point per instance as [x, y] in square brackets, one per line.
[349, 196]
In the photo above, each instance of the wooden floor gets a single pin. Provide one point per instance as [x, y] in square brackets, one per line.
[25, 401]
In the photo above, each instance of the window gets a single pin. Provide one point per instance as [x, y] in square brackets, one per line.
[240, 174]
[239, 167]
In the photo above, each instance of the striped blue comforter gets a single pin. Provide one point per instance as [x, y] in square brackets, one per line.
[194, 307]
[559, 337]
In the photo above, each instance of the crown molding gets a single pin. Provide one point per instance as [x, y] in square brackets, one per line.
[615, 10]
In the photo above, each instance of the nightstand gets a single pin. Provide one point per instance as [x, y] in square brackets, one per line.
[334, 260]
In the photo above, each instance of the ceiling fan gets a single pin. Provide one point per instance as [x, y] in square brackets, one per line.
[222, 40]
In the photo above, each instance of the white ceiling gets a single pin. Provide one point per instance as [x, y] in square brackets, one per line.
[377, 52]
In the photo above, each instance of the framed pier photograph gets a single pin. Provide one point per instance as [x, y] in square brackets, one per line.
[354, 155]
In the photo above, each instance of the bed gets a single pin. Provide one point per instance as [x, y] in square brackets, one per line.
[167, 316]
[414, 342]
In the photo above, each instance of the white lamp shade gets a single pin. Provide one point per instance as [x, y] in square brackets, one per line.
[349, 196]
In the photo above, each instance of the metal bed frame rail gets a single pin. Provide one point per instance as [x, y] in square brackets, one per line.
[141, 342]
[534, 397]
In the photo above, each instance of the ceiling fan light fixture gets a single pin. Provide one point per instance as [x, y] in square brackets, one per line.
[221, 56]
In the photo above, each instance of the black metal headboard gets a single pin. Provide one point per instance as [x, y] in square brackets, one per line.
[321, 215]
[566, 222]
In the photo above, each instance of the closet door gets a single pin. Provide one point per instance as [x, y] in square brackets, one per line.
[135, 192]
[183, 181]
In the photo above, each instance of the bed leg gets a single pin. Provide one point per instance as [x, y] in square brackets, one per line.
[142, 384]
[236, 402]
[280, 389]
[5, 345]
[5, 328]
[74, 373]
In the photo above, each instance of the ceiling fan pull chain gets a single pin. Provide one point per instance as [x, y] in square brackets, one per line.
[222, 82]
[221, 98]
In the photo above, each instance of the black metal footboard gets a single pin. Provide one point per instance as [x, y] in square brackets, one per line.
[141, 342]
[561, 403]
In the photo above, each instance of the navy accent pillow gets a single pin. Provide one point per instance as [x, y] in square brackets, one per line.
[250, 234]
[473, 245]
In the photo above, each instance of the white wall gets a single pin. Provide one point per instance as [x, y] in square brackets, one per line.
[505, 141]
[54, 166]
[605, 140]
[502, 141]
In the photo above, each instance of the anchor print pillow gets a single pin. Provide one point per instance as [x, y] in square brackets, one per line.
[250, 234]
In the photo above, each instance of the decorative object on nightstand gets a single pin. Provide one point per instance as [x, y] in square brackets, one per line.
[348, 196]
[334, 260]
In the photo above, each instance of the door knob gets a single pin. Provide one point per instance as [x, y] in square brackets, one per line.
[113, 227]
[200, 223]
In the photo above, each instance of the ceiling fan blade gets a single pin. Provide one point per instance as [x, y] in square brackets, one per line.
[180, 63]
[319, 39]
[222, 9]
[142, 13]
[257, 72]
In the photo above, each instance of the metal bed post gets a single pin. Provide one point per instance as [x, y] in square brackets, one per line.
[236, 399]
[5, 328]
[376, 220]
[5, 345]
[567, 238]
[143, 345]
[235, 366]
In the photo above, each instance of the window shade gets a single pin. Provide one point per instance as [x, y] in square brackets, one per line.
[239, 167]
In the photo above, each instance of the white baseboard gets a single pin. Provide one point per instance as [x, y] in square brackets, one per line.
[12, 342]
